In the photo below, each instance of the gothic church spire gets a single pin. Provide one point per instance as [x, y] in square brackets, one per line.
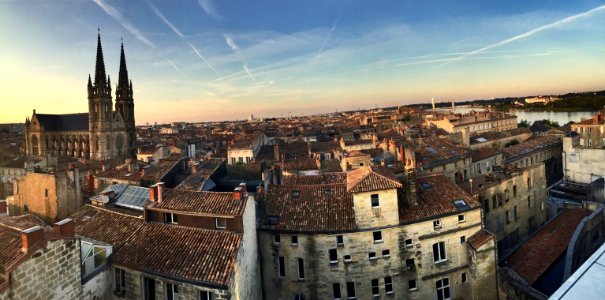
[100, 66]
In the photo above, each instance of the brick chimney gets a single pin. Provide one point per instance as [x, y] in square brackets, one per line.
[30, 237]
[196, 167]
[240, 191]
[65, 228]
[160, 191]
[410, 187]
[153, 193]
[3, 207]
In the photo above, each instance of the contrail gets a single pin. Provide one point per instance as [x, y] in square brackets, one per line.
[161, 16]
[181, 35]
[177, 68]
[248, 72]
[114, 13]
[236, 49]
[532, 32]
[323, 45]
[209, 8]
[203, 58]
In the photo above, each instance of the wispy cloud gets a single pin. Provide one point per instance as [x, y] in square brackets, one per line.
[451, 59]
[114, 13]
[323, 45]
[532, 32]
[181, 35]
[210, 9]
[236, 49]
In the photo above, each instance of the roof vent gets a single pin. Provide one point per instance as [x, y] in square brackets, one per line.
[272, 220]
[425, 186]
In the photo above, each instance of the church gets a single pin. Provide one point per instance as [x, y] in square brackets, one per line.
[103, 133]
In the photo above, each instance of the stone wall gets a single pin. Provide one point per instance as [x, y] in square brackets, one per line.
[321, 273]
[385, 214]
[247, 281]
[52, 272]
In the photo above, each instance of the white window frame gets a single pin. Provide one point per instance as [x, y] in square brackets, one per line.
[375, 286]
[461, 218]
[220, 226]
[388, 286]
[172, 290]
[444, 286]
[300, 265]
[437, 224]
[440, 246]
[415, 288]
[410, 245]
[169, 218]
[209, 295]
[377, 240]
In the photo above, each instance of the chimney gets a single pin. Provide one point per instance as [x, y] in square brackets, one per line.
[160, 191]
[410, 187]
[196, 167]
[65, 228]
[237, 193]
[276, 151]
[3, 207]
[30, 237]
[153, 192]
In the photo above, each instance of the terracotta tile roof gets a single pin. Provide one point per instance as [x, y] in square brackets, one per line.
[536, 255]
[301, 164]
[326, 178]
[317, 208]
[10, 239]
[122, 174]
[433, 151]
[478, 239]
[481, 154]
[216, 203]
[436, 196]
[331, 165]
[530, 145]
[105, 226]
[496, 135]
[200, 255]
[372, 178]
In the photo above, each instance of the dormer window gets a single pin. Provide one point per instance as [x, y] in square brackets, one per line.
[170, 218]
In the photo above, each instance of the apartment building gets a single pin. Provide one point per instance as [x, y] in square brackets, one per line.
[583, 150]
[362, 236]
[537, 150]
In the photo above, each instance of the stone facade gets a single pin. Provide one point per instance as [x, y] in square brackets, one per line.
[582, 163]
[404, 253]
[52, 272]
[51, 197]
[514, 204]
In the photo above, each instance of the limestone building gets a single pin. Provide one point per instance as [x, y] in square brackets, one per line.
[583, 151]
[362, 235]
[105, 132]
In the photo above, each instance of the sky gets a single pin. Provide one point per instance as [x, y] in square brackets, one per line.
[208, 60]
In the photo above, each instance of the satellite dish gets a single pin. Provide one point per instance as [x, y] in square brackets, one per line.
[105, 199]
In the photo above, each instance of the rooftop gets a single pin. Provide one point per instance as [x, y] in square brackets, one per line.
[531, 145]
[372, 178]
[201, 202]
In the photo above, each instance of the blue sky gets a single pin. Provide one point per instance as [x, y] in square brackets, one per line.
[213, 60]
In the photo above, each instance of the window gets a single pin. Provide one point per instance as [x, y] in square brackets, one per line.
[375, 288]
[351, 290]
[336, 289]
[377, 236]
[206, 295]
[26, 209]
[437, 224]
[514, 191]
[507, 217]
[410, 264]
[333, 256]
[301, 268]
[439, 254]
[386, 253]
[529, 183]
[372, 255]
[233, 160]
[247, 160]
[463, 278]
[294, 240]
[462, 239]
[339, 240]
[506, 195]
[93, 257]
[409, 243]
[45, 193]
[276, 238]
[348, 258]
[281, 267]
[494, 201]
[529, 201]
[486, 205]
[515, 212]
[172, 291]
[170, 218]
[299, 296]
[388, 285]
[443, 289]
[148, 288]
[375, 201]
[412, 285]
[461, 218]
[221, 223]
[119, 282]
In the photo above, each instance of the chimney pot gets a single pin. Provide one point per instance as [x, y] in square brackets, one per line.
[160, 191]
[30, 237]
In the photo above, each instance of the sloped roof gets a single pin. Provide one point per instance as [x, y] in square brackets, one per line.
[202, 202]
[478, 239]
[372, 178]
[535, 256]
[105, 226]
[68, 122]
[200, 255]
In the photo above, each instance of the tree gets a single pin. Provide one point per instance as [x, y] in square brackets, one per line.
[523, 124]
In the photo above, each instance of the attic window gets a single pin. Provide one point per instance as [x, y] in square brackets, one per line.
[425, 185]
[272, 220]
[461, 204]
[295, 194]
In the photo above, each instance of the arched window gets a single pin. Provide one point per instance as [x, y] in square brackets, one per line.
[35, 147]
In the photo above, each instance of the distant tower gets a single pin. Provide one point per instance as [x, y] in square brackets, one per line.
[100, 110]
[125, 104]
[453, 105]
[433, 103]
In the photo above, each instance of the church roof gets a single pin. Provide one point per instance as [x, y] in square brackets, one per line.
[68, 122]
